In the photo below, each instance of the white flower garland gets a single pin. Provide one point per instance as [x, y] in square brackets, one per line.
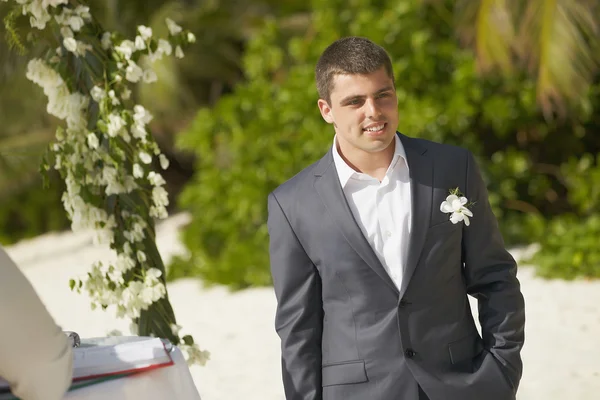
[110, 158]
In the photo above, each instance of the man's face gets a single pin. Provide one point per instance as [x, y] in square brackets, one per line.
[363, 110]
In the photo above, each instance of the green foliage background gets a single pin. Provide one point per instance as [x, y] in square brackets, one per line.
[543, 176]
[210, 68]
[251, 75]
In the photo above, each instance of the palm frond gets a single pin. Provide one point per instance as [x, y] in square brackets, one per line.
[488, 26]
[12, 34]
[559, 40]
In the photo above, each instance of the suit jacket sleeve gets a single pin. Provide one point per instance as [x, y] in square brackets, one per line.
[299, 315]
[35, 355]
[491, 277]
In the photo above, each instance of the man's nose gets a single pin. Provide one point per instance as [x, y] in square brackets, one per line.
[372, 110]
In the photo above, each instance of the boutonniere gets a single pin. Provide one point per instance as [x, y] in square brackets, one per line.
[457, 205]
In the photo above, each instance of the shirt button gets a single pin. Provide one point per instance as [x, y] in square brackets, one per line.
[388, 233]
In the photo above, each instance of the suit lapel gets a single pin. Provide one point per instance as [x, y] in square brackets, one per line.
[421, 185]
[327, 185]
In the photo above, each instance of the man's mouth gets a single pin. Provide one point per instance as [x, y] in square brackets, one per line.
[375, 128]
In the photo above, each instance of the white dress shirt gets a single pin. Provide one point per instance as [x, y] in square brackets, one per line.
[381, 209]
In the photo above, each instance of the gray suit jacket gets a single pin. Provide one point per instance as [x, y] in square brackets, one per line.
[348, 333]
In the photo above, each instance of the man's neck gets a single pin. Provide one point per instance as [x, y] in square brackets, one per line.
[372, 164]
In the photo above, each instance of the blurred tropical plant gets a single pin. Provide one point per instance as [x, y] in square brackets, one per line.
[269, 128]
[557, 41]
[102, 151]
[210, 69]
[26, 209]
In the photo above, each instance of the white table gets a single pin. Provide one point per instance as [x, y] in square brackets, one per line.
[172, 382]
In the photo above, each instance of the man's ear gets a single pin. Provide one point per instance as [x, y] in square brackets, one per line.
[325, 111]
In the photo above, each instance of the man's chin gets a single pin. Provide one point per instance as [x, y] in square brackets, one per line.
[378, 144]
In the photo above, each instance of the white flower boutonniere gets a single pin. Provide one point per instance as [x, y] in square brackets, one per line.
[457, 205]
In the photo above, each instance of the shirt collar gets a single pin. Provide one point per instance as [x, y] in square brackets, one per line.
[345, 172]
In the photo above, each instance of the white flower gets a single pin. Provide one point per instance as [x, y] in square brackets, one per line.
[193, 354]
[141, 115]
[38, 12]
[82, 11]
[115, 124]
[43, 75]
[53, 3]
[160, 199]
[138, 229]
[126, 48]
[103, 236]
[455, 206]
[145, 157]
[97, 94]
[145, 32]
[82, 48]
[70, 44]
[66, 32]
[57, 162]
[156, 179]
[113, 98]
[124, 261]
[174, 29]
[139, 43]
[175, 329]
[141, 256]
[93, 141]
[178, 52]
[139, 132]
[164, 47]
[110, 177]
[160, 196]
[138, 172]
[133, 72]
[106, 41]
[76, 23]
[153, 274]
[191, 37]
[129, 181]
[164, 161]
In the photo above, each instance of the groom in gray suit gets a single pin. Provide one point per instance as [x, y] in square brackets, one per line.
[372, 257]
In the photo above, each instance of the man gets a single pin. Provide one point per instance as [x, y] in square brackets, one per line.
[372, 272]
[35, 355]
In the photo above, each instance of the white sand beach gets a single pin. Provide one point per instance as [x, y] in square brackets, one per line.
[561, 354]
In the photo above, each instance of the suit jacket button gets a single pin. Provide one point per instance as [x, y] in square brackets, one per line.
[409, 353]
[404, 303]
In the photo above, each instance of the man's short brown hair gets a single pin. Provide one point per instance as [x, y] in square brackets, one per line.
[349, 55]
